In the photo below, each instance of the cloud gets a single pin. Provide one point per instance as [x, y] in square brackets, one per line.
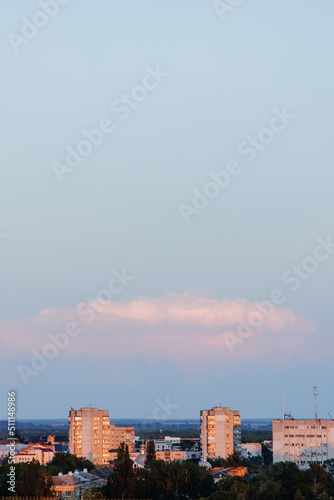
[187, 328]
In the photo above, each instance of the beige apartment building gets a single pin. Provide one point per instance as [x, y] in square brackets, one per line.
[220, 432]
[89, 434]
[303, 441]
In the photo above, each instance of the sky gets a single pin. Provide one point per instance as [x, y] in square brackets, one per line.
[166, 204]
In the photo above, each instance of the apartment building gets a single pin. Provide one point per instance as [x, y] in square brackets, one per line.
[303, 441]
[251, 450]
[89, 434]
[220, 432]
[121, 434]
[74, 483]
[39, 451]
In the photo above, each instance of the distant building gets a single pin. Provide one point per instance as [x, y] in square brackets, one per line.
[251, 450]
[220, 474]
[139, 459]
[56, 446]
[303, 441]
[6, 447]
[220, 432]
[121, 434]
[35, 451]
[89, 434]
[162, 445]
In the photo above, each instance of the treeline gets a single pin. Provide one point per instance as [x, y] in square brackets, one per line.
[255, 436]
[35, 480]
[188, 480]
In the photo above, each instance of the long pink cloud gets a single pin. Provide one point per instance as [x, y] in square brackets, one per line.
[180, 326]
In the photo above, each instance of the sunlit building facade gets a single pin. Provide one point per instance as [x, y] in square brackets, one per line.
[120, 435]
[303, 441]
[89, 434]
[220, 432]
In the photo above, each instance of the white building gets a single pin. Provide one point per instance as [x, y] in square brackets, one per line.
[162, 445]
[251, 450]
[303, 441]
[39, 451]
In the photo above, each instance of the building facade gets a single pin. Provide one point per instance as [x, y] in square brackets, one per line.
[220, 432]
[74, 484]
[39, 451]
[119, 435]
[251, 450]
[89, 434]
[303, 441]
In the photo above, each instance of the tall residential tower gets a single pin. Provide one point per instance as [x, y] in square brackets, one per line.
[220, 432]
[89, 434]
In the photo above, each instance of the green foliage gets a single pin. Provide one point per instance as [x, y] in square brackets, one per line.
[93, 494]
[31, 480]
[121, 483]
[298, 495]
[255, 436]
[267, 455]
[65, 462]
[150, 453]
[233, 460]
[173, 480]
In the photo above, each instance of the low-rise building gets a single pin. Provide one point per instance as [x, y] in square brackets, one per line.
[73, 484]
[220, 474]
[139, 458]
[249, 450]
[303, 441]
[39, 451]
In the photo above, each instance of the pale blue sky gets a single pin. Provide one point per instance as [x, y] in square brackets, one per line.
[119, 208]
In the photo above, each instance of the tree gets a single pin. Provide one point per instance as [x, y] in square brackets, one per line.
[33, 480]
[320, 478]
[121, 483]
[150, 453]
[65, 462]
[93, 494]
[298, 495]
[234, 460]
